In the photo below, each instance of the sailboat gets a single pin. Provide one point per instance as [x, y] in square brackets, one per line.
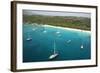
[82, 43]
[55, 54]
[34, 29]
[29, 38]
[44, 31]
[82, 46]
[68, 41]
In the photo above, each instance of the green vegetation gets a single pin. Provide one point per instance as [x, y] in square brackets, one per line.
[63, 21]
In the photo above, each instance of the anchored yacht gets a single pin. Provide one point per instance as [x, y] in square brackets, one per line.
[55, 53]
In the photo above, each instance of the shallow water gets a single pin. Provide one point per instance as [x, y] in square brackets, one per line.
[42, 44]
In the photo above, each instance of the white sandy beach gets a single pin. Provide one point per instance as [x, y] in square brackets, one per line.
[68, 28]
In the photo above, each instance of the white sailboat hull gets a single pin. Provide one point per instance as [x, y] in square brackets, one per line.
[53, 56]
[81, 46]
[29, 39]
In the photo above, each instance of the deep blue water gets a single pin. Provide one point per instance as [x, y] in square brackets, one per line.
[42, 44]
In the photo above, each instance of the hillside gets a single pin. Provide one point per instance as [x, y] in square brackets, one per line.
[63, 21]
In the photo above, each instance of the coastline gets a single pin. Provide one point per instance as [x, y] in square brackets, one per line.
[73, 29]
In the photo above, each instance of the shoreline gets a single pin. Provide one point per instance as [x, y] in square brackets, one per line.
[66, 28]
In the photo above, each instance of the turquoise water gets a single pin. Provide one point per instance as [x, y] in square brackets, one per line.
[42, 44]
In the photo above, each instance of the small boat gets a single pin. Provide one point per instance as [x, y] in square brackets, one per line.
[28, 39]
[33, 29]
[82, 47]
[44, 31]
[81, 42]
[55, 54]
[57, 32]
[68, 41]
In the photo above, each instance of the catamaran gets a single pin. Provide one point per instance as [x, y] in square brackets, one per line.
[55, 53]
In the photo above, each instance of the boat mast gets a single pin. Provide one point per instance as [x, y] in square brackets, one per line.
[54, 47]
[81, 40]
[28, 35]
